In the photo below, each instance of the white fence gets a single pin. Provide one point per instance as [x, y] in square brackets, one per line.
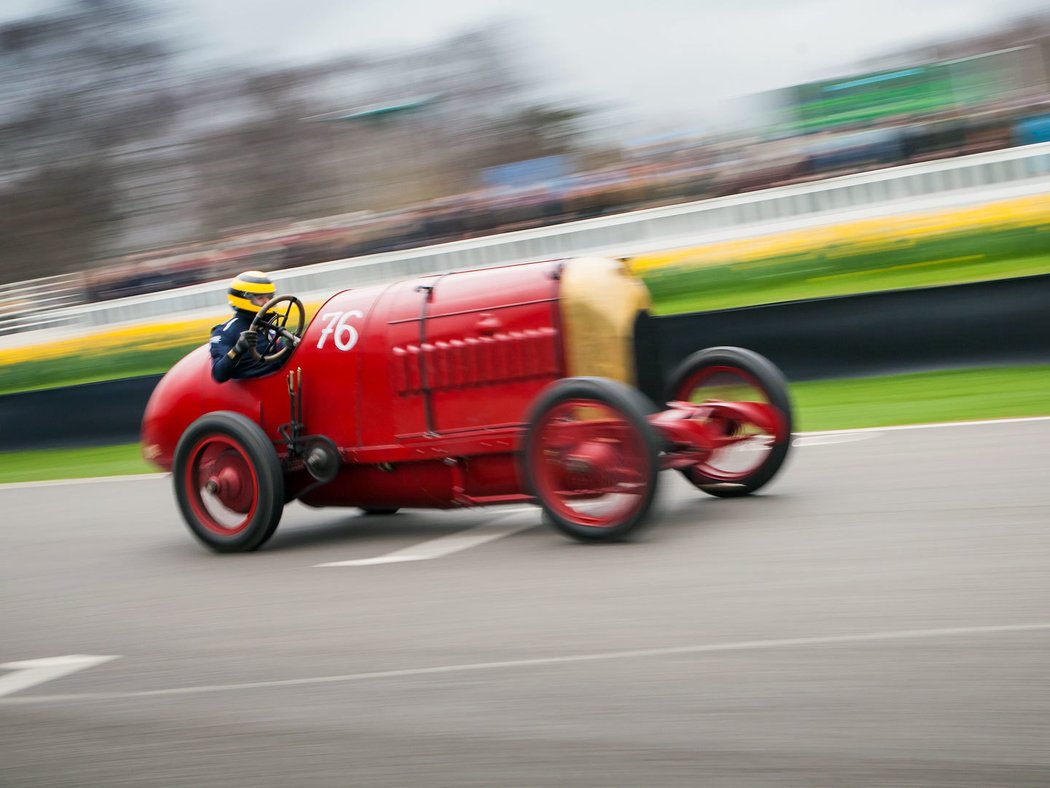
[964, 180]
[46, 295]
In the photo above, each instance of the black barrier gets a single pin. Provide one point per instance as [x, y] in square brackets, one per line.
[1002, 322]
[1006, 321]
[89, 414]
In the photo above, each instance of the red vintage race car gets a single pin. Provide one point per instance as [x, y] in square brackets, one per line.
[476, 388]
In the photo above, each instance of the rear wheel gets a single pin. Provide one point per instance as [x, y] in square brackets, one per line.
[591, 458]
[228, 482]
[732, 374]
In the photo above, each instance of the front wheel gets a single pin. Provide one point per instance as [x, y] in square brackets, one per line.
[591, 458]
[228, 482]
[732, 374]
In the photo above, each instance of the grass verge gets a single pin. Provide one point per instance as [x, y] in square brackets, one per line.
[720, 287]
[32, 466]
[74, 370]
[922, 397]
[953, 395]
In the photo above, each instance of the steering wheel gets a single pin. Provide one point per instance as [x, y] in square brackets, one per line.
[275, 323]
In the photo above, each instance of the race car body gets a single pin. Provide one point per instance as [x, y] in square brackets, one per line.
[472, 388]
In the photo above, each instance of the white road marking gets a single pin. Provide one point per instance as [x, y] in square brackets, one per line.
[88, 480]
[444, 545]
[831, 438]
[392, 558]
[30, 672]
[932, 426]
[708, 648]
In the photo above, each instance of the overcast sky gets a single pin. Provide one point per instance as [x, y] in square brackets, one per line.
[669, 60]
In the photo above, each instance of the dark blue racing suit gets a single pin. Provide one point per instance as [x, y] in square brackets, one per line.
[223, 339]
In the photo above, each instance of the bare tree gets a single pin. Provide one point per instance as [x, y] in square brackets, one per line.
[77, 87]
[107, 145]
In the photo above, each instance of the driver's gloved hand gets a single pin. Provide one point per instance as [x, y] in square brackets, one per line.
[247, 339]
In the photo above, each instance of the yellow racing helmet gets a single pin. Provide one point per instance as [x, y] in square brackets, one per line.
[248, 285]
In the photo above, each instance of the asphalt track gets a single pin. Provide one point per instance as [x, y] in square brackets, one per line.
[879, 616]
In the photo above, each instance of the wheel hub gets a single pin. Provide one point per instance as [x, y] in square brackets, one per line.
[590, 462]
[227, 485]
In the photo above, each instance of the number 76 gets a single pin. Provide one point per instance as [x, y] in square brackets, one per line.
[345, 334]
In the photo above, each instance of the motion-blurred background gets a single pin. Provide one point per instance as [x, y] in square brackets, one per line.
[148, 146]
[857, 189]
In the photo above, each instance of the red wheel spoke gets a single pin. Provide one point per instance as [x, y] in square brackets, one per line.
[742, 420]
[593, 463]
[623, 477]
[221, 485]
[743, 413]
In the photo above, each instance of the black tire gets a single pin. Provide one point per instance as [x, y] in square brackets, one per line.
[773, 385]
[380, 511]
[630, 406]
[237, 445]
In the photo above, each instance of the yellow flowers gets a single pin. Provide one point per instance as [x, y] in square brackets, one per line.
[854, 238]
[138, 337]
[154, 336]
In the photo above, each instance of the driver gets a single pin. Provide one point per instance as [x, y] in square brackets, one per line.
[230, 341]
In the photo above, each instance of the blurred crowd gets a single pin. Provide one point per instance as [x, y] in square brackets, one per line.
[125, 171]
[646, 175]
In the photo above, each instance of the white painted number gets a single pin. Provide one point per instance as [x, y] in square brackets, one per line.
[345, 334]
